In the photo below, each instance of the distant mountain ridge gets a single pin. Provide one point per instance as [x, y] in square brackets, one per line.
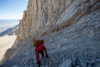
[10, 31]
[8, 26]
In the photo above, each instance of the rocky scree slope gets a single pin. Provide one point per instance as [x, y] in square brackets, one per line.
[70, 29]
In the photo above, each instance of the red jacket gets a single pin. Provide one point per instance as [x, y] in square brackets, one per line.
[38, 49]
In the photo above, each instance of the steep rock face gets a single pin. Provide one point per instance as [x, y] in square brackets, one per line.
[45, 13]
[50, 16]
[65, 25]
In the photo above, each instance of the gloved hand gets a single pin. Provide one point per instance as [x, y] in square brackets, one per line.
[39, 63]
[46, 56]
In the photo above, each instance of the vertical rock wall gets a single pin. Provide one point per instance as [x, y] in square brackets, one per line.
[41, 13]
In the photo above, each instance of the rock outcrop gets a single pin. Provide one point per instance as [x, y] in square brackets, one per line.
[71, 26]
[50, 16]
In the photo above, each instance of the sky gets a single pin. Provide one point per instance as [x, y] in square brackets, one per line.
[12, 9]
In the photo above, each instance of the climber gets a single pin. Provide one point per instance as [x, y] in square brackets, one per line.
[40, 48]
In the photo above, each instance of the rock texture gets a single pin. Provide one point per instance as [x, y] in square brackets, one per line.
[50, 15]
[70, 29]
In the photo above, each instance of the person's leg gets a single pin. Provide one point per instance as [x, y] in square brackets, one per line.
[38, 64]
[42, 53]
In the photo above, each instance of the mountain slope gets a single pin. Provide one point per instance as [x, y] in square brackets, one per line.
[5, 43]
[70, 29]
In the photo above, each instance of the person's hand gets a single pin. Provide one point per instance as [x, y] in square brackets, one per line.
[39, 63]
[46, 56]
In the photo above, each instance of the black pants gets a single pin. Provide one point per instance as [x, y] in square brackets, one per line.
[42, 53]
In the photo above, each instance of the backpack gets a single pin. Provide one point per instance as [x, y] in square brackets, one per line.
[38, 42]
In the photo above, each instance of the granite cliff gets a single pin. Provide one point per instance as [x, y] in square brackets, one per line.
[70, 29]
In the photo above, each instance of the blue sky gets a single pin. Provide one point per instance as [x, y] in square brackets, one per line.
[12, 9]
